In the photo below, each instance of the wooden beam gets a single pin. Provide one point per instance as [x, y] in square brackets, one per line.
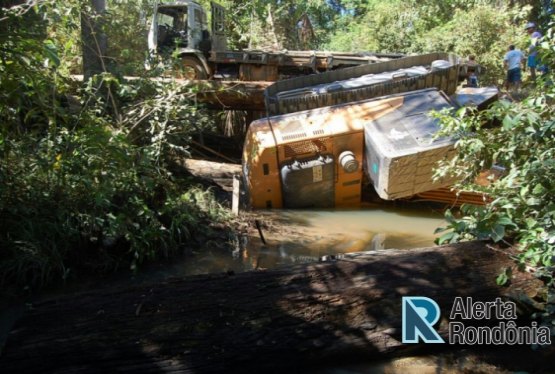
[230, 95]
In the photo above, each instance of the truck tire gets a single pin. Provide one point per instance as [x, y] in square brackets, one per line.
[191, 68]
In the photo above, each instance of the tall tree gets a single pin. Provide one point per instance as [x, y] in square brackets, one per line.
[95, 47]
[94, 40]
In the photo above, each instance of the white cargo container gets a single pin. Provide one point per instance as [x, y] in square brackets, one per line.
[400, 150]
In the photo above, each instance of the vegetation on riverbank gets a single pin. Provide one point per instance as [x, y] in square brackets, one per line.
[89, 182]
[483, 28]
[521, 143]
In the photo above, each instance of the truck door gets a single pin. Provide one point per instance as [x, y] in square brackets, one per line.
[219, 42]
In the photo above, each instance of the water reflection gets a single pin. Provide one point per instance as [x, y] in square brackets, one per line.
[310, 235]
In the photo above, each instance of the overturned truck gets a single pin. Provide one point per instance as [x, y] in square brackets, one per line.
[326, 134]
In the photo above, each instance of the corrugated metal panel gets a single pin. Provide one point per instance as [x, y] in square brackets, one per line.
[442, 79]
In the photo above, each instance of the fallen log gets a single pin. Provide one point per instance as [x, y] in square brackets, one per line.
[230, 95]
[281, 320]
[217, 172]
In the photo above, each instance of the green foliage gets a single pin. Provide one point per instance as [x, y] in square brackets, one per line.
[476, 223]
[127, 24]
[81, 187]
[386, 27]
[96, 192]
[27, 70]
[482, 28]
[522, 142]
[484, 31]
[504, 277]
[249, 25]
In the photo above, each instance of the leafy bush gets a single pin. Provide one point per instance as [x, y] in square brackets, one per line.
[523, 143]
[88, 183]
[89, 193]
[485, 31]
[386, 27]
[522, 212]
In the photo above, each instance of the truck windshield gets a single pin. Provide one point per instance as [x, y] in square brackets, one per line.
[172, 26]
[173, 17]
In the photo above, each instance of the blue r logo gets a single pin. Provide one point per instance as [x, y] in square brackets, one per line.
[419, 315]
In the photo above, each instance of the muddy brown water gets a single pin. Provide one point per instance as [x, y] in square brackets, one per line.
[292, 237]
[305, 236]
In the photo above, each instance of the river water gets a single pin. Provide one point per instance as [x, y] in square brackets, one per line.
[310, 235]
[292, 237]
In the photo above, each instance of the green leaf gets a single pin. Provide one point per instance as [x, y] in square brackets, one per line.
[509, 122]
[502, 279]
[533, 201]
[530, 223]
[449, 216]
[506, 221]
[51, 52]
[498, 233]
[538, 189]
[440, 229]
[448, 237]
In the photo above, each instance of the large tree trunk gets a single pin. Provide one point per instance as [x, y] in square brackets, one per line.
[267, 321]
[94, 40]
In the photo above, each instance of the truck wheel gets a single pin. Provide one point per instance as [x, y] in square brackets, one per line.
[191, 68]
